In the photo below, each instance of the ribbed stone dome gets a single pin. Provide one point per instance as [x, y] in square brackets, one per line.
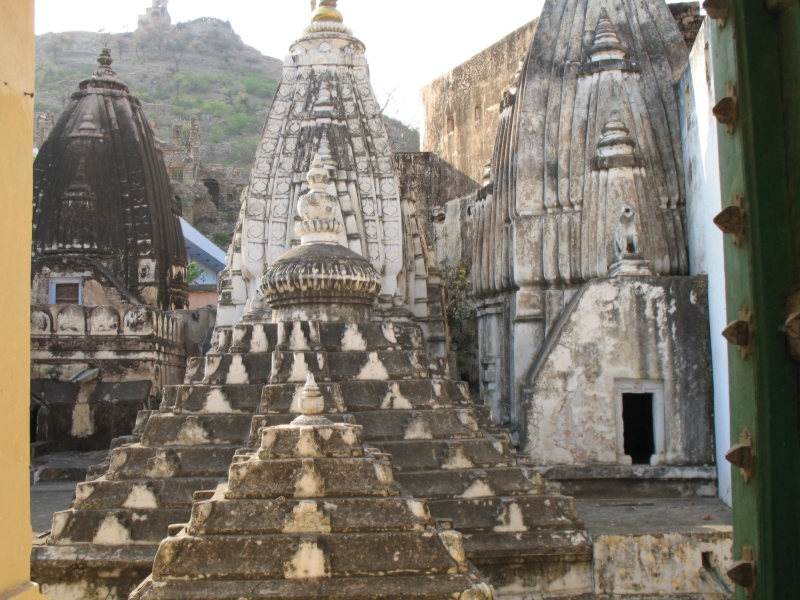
[326, 274]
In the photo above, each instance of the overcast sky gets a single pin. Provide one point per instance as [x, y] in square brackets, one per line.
[409, 42]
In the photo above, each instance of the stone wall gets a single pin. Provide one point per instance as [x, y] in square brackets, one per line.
[44, 125]
[93, 368]
[703, 203]
[689, 20]
[126, 343]
[637, 335]
[431, 182]
[462, 107]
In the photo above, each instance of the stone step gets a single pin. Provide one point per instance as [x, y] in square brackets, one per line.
[117, 527]
[508, 515]
[264, 557]
[217, 399]
[272, 516]
[471, 483]
[561, 547]
[138, 462]
[196, 430]
[174, 492]
[385, 587]
[332, 337]
[291, 367]
[353, 396]
[310, 477]
[65, 466]
[101, 568]
[634, 481]
[261, 421]
[416, 455]
[394, 425]
[462, 423]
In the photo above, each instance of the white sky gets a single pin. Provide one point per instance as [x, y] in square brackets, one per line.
[409, 42]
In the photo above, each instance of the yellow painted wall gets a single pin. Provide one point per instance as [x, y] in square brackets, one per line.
[17, 45]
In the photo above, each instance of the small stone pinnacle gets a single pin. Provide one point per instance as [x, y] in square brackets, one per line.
[311, 400]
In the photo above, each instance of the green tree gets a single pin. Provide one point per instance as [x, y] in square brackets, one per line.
[462, 316]
[122, 42]
[193, 272]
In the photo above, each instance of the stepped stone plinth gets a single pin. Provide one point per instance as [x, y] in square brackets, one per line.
[310, 513]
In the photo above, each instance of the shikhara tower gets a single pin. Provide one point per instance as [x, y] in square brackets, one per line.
[325, 104]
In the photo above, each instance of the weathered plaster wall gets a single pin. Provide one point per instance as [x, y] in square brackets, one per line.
[652, 329]
[470, 95]
[454, 232]
[689, 20]
[432, 183]
[661, 564]
[703, 203]
[16, 182]
[128, 343]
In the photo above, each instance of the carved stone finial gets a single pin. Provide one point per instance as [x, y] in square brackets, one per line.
[318, 176]
[326, 18]
[317, 208]
[327, 11]
[104, 76]
[606, 42]
[105, 61]
[320, 280]
[311, 400]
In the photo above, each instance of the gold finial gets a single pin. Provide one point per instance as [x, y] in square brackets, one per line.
[327, 11]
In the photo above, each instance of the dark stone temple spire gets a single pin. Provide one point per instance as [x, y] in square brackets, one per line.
[102, 205]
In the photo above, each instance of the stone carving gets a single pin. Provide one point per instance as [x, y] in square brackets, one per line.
[588, 125]
[325, 105]
[627, 248]
[328, 518]
[626, 236]
[102, 200]
[320, 280]
[340, 367]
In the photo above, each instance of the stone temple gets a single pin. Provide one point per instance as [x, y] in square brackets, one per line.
[319, 309]
[590, 330]
[325, 445]
[108, 259]
[325, 93]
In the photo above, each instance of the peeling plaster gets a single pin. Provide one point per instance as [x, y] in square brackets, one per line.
[373, 370]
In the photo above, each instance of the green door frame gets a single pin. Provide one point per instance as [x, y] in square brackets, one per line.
[756, 55]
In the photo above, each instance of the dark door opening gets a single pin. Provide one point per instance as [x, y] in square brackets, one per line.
[34, 422]
[637, 423]
[212, 185]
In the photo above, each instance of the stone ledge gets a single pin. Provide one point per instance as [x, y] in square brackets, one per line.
[619, 481]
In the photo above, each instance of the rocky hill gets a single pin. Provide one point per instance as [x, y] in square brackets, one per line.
[201, 67]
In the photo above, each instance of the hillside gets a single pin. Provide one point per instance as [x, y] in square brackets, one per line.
[201, 67]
